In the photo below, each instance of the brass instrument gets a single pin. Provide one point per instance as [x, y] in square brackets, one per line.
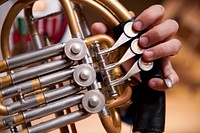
[53, 79]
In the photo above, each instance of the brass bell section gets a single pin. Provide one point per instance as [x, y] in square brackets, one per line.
[53, 79]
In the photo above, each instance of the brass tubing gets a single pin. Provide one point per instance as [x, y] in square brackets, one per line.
[6, 27]
[100, 38]
[100, 10]
[3, 66]
[35, 38]
[5, 81]
[3, 109]
[40, 98]
[120, 11]
[69, 12]
[122, 99]
[112, 122]
[30, 19]
[25, 87]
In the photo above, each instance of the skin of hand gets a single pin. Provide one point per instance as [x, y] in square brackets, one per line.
[157, 41]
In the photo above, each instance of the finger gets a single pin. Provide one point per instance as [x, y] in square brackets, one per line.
[98, 28]
[149, 17]
[159, 33]
[168, 71]
[168, 48]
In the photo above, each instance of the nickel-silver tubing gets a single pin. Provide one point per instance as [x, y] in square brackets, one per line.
[52, 107]
[63, 91]
[36, 71]
[19, 105]
[34, 56]
[55, 77]
[59, 122]
[48, 109]
[36, 41]
[12, 91]
[45, 81]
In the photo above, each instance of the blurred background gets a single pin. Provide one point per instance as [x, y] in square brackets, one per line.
[183, 100]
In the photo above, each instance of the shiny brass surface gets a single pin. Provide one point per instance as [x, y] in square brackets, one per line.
[36, 84]
[120, 11]
[40, 98]
[18, 6]
[3, 66]
[100, 10]
[114, 13]
[24, 131]
[3, 110]
[5, 81]
[19, 119]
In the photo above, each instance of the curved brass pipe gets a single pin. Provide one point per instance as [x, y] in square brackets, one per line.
[122, 99]
[101, 38]
[100, 10]
[120, 11]
[112, 122]
[12, 14]
[71, 18]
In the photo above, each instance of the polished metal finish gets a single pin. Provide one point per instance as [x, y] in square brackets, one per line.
[35, 56]
[59, 122]
[82, 72]
[56, 77]
[52, 107]
[93, 101]
[75, 49]
[39, 70]
[84, 75]
[63, 91]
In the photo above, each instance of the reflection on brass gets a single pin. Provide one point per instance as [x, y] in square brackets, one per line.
[71, 17]
[5, 81]
[40, 98]
[100, 10]
[24, 131]
[36, 84]
[121, 100]
[6, 27]
[111, 123]
[114, 13]
[121, 12]
[19, 119]
[3, 110]
[3, 66]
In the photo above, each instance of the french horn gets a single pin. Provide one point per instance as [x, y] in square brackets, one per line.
[84, 73]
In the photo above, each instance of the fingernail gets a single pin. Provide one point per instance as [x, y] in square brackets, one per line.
[138, 25]
[149, 54]
[144, 41]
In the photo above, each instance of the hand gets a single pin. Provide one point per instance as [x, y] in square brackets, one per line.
[157, 40]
